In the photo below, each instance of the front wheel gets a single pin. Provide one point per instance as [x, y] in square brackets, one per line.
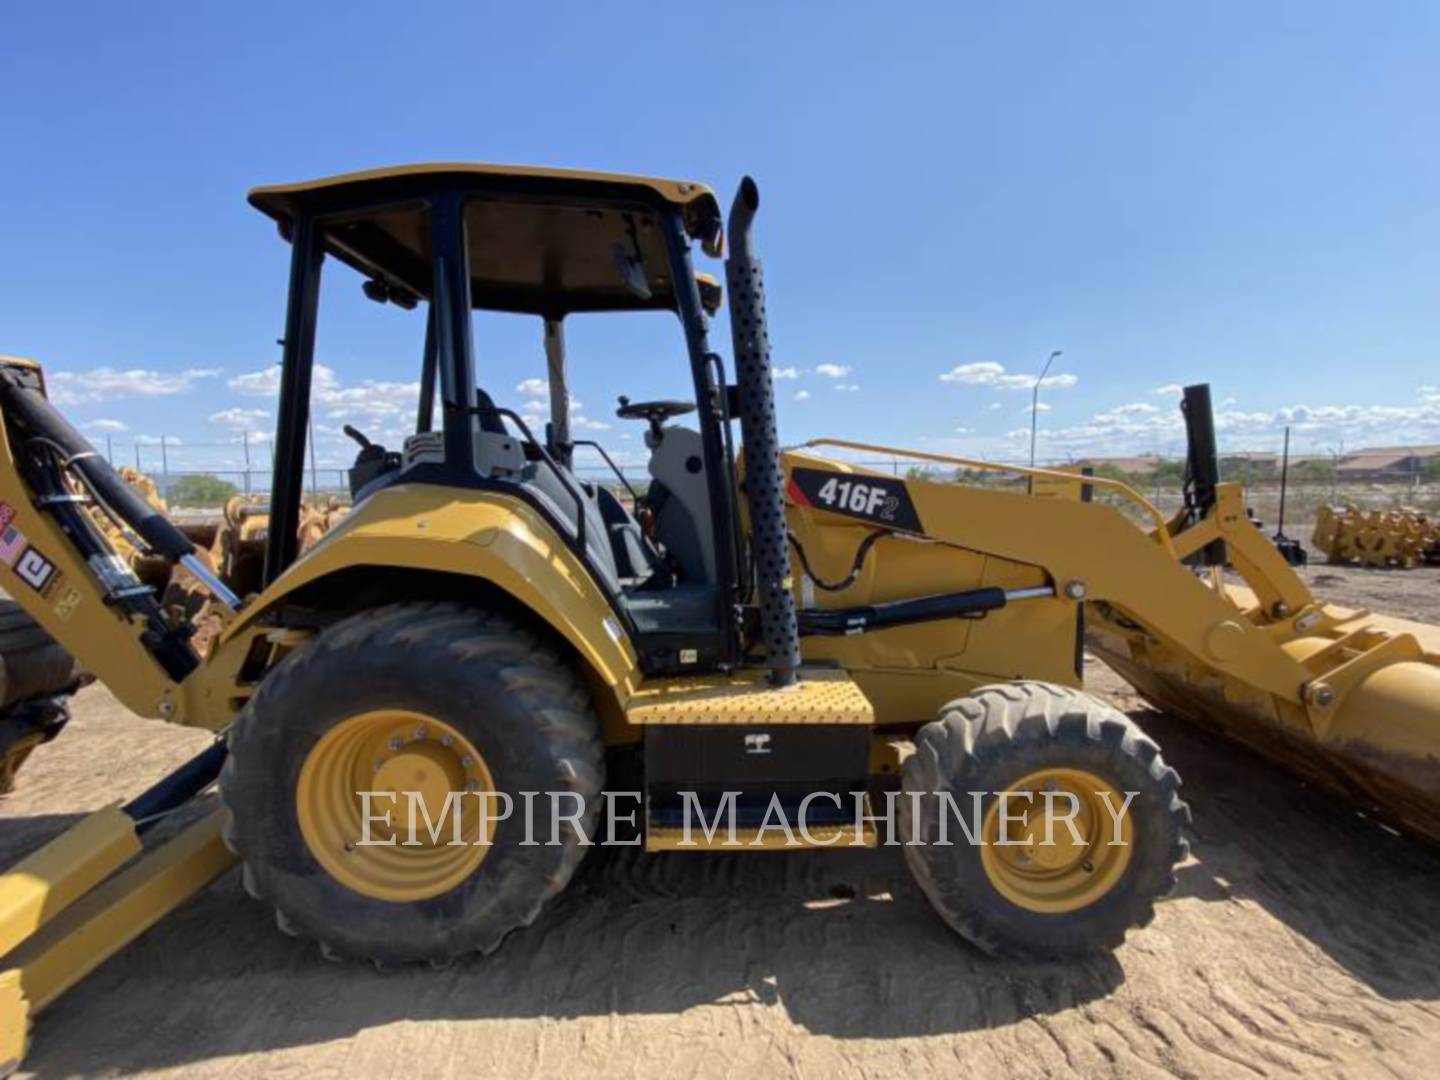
[1071, 823]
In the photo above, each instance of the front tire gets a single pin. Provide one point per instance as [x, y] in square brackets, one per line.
[1026, 898]
[432, 697]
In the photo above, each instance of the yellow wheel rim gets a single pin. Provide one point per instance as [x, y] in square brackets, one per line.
[1073, 870]
[394, 752]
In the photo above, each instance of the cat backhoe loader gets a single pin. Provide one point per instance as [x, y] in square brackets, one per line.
[782, 630]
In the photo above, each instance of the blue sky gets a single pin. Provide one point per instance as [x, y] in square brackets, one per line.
[1240, 193]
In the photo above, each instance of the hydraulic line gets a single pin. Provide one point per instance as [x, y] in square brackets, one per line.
[855, 567]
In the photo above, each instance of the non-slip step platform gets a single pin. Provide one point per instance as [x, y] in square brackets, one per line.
[823, 696]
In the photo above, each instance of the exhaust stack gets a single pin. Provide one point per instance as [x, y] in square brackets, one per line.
[763, 480]
[1202, 467]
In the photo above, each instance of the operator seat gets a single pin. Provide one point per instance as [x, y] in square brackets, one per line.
[679, 495]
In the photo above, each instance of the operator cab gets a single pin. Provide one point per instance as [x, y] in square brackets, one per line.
[449, 241]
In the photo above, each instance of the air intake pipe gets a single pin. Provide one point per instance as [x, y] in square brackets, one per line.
[763, 480]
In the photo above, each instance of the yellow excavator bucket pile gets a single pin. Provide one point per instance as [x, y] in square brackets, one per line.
[1399, 537]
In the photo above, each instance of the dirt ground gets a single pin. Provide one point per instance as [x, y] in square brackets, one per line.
[1301, 939]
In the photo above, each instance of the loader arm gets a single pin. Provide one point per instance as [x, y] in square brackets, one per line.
[1345, 698]
[1092, 552]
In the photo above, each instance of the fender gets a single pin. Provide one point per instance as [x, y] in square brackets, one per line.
[480, 534]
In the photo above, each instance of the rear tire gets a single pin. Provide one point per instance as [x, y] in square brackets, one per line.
[495, 685]
[37, 676]
[988, 742]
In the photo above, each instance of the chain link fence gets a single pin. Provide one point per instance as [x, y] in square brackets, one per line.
[204, 475]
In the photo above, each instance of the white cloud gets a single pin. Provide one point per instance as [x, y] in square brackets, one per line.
[1142, 427]
[107, 425]
[170, 441]
[848, 388]
[832, 371]
[989, 373]
[1039, 407]
[371, 401]
[963, 431]
[264, 383]
[993, 405]
[1135, 408]
[584, 423]
[802, 395]
[785, 372]
[108, 384]
[977, 374]
[534, 387]
[239, 419]
[1171, 389]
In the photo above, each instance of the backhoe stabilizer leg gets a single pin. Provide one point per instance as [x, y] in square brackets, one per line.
[77, 940]
[75, 902]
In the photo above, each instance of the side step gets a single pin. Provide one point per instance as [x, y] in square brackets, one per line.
[735, 764]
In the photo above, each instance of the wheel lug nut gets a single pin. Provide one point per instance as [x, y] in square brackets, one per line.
[396, 743]
[420, 732]
[446, 740]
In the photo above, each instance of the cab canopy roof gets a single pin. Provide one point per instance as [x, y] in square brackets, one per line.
[541, 241]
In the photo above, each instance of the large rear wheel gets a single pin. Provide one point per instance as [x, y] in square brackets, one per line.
[1076, 821]
[441, 712]
[37, 676]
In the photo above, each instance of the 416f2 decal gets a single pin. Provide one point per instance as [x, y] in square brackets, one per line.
[877, 499]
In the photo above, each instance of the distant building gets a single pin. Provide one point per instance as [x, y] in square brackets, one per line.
[1382, 463]
[1376, 464]
[1142, 465]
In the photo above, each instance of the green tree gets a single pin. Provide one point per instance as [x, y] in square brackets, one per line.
[1313, 471]
[199, 489]
[1168, 473]
[1106, 471]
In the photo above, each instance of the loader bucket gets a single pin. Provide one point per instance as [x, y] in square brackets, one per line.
[1368, 728]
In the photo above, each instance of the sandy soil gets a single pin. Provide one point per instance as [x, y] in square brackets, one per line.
[1300, 940]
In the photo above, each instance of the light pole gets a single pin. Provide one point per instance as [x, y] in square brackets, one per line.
[1035, 402]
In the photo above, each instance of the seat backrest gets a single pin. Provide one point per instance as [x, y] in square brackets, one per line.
[541, 481]
[683, 517]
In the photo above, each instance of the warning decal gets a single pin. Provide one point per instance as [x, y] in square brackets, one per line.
[12, 543]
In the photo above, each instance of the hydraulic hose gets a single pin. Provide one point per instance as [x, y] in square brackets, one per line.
[37, 418]
[861, 551]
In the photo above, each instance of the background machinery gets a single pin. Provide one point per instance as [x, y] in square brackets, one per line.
[784, 627]
[1397, 538]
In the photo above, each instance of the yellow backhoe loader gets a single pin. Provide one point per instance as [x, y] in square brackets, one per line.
[737, 636]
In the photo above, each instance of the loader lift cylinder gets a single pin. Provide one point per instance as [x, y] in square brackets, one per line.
[764, 484]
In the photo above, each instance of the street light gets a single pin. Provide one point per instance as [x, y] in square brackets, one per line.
[1035, 403]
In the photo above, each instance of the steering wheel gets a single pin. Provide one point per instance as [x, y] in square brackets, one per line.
[653, 411]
